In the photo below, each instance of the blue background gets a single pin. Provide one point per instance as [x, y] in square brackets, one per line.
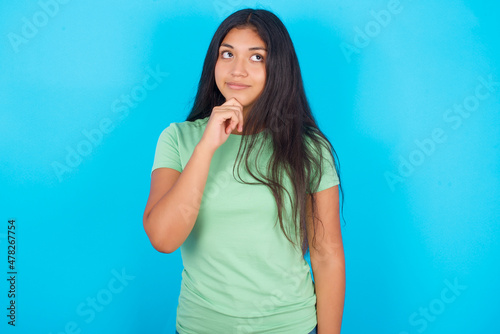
[421, 180]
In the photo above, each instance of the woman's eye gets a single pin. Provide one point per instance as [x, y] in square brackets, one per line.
[257, 57]
[226, 54]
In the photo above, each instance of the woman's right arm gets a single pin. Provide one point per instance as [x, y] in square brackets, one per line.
[174, 201]
[175, 197]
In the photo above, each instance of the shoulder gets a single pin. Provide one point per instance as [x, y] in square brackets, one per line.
[189, 126]
[185, 134]
[186, 127]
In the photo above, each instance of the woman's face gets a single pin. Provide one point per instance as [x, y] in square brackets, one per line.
[240, 71]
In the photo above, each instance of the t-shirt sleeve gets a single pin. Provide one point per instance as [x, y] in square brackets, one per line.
[329, 176]
[167, 150]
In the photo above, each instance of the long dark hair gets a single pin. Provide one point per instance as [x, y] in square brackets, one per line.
[282, 110]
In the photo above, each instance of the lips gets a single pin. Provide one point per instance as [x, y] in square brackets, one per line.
[236, 85]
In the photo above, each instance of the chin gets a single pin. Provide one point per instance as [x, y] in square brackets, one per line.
[243, 101]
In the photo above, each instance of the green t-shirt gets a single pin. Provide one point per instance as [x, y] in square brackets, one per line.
[241, 274]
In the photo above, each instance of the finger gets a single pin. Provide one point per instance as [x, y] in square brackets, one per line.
[229, 120]
[233, 102]
[234, 121]
[236, 117]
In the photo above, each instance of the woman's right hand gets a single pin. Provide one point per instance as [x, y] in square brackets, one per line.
[223, 120]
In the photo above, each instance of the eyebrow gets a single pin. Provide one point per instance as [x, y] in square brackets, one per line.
[251, 49]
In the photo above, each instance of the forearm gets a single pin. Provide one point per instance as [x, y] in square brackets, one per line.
[329, 279]
[171, 219]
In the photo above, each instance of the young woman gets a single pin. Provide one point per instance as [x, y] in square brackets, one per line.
[242, 272]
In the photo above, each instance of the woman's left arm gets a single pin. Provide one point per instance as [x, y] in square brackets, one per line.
[327, 260]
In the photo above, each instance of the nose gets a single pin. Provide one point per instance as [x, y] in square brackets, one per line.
[239, 67]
